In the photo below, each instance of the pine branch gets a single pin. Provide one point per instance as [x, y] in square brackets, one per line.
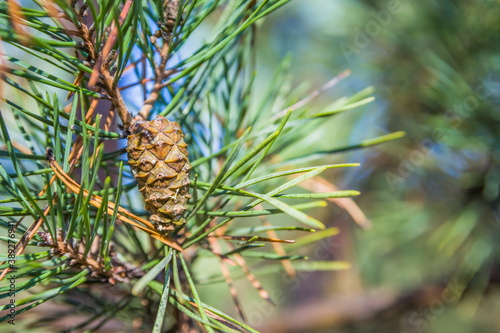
[114, 60]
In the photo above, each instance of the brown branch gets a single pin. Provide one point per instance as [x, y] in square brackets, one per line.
[121, 272]
[110, 42]
[102, 62]
[123, 214]
[161, 74]
[116, 97]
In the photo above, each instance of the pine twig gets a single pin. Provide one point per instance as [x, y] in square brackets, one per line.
[123, 214]
[160, 74]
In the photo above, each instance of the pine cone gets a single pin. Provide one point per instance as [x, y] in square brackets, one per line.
[158, 157]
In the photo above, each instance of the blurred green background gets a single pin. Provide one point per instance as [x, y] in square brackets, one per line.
[430, 261]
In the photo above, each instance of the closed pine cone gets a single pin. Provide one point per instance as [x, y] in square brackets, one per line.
[158, 157]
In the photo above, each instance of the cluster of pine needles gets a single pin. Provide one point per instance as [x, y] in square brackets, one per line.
[75, 75]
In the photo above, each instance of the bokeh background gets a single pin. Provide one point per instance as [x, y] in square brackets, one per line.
[430, 261]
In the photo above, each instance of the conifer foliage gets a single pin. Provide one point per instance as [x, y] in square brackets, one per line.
[79, 78]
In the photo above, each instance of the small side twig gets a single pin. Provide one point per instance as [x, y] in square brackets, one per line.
[123, 214]
[165, 32]
[119, 272]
